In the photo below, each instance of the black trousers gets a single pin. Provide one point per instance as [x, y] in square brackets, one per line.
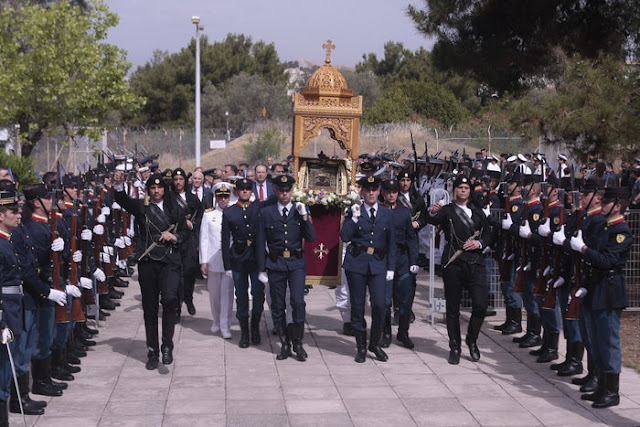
[159, 284]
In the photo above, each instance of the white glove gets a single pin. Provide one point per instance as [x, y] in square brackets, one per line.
[525, 230]
[559, 282]
[73, 291]
[98, 229]
[130, 232]
[301, 208]
[105, 211]
[7, 336]
[581, 292]
[58, 297]
[119, 243]
[86, 235]
[414, 269]
[545, 229]
[486, 210]
[127, 240]
[138, 184]
[355, 212]
[105, 258]
[122, 264]
[229, 273]
[57, 245]
[86, 283]
[99, 275]
[263, 277]
[507, 222]
[576, 242]
[77, 256]
[546, 271]
[527, 267]
[559, 237]
[108, 250]
[101, 219]
[115, 206]
[390, 275]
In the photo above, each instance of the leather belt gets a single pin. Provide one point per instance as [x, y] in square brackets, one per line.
[243, 242]
[11, 290]
[274, 254]
[370, 250]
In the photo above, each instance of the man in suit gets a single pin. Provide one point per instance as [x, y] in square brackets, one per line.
[262, 188]
[197, 187]
[369, 263]
[282, 228]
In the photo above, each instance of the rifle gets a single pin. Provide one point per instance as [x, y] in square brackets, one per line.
[77, 311]
[541, 282]
[62, 314]
[102, 287]
[507, 257]
[521, 282]
[575, 304]
[550, 297]
[415, 161]
[87, 294]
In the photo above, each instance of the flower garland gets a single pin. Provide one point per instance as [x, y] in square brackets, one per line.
[325, 198]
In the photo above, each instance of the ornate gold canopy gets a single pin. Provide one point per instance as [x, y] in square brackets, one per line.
[326, 102]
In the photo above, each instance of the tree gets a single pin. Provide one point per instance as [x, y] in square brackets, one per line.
[168, 80]
[57, 71]
[593, 109]
[268, 144]
[514, 45]
[363, 83]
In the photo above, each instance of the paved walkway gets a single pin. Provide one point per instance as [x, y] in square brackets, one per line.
[213, 382]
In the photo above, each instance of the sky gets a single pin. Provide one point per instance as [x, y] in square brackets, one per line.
[298, 28]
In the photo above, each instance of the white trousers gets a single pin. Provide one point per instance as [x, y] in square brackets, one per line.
[221, 299]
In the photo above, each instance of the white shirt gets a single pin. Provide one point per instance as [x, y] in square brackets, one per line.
[281, 207]
[198, 192]
[211, 240]
[368, 209]
[160, 205]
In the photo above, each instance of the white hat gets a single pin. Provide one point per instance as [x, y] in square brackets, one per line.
[522, 158]
[563, 157]
[493, 167]
[512, 158]
[143, 169]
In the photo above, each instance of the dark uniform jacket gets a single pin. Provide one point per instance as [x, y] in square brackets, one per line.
[406, 239]
[192, 210]
[11, 274]
[239, 237]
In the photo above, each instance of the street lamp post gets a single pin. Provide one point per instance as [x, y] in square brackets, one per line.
[196, 21]
[226, 115]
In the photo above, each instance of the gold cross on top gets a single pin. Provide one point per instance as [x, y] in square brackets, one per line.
[321, 251]
[328, 46]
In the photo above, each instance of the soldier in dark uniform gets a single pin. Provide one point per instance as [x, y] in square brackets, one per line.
[239, 232]
[282, 229]
[160, 223]
[467, 232]
[606, 296]
[406, 269]
[369, 263]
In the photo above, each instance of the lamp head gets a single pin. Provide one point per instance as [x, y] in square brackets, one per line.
[195, 20]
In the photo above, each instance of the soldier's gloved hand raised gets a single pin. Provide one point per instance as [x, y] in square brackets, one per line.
[86, 283]
[577, 243]
[105, 258]
[545, 228]
[98, 230]
[99, 275]
[263, 277]
[7, 336]
[559, 282]
[559, 237]
[105, 211]
[127, 240]
[507, 222]
[229, 273]
[115, 206]
[108, 250]
[581, 292]
[119, 243]
[57, 245]
[57, 296]
[301, 208]
[77, 256]
[414, 269]
[101, 218]
[525, 230]
[73, 291]
[86, 235]
[355, 212]
[390, 275]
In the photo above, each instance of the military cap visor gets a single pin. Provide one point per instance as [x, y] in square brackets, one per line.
[612, 194]
[9, 199]
[244, 184]
[369, 182]
[460, 180]
[390, 185]
[38, 191]
[223, 190]
[284, 182]
[178, 172]
[156, 179]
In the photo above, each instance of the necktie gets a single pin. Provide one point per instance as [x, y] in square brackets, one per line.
[373, 214]
[284, 213]
[261, 194]
[404, 202]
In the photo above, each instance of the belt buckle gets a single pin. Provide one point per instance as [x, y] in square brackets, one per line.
[249, 242]
[286, 254]
[370, 250]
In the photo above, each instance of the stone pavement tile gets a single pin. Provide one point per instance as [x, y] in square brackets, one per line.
[93, 372]
[361, 380]
[430, 405]
[240, 378]
[302, 369]
[188, 393]
[403, 357]
[331, 359]
[248, 392]
[211, 420]
[375, 406]
[255, 420]
[131, 421]
[47, 421]
[310, 393]
[516, 417]
[551, 410]
[315, 406]
[535, 387]
[72, 408]
[445, 419]
[393, 367]
[320, 420]
[421, 391]
[195, 406]
[487, 402]
[617, 417]
[363, 369]
[248, 407]
[199, 382]
[16, 420]
[305, 381]
[465, 378]
[382, 420]
[478, 390]
[86, 393]
[206, 369]
[135, 407]
[633, 397]
[441, 367]
[367, 392]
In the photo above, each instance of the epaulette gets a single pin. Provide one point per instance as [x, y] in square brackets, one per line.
[208, 210]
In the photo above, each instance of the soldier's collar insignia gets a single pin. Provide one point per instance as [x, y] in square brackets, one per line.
[39, 218]
[615, 220]
[594, 211]
[5, 235]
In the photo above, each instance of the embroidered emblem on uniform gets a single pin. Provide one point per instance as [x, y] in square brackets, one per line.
[514, 209]
[556, 220]
[536, 217]
[620, 238]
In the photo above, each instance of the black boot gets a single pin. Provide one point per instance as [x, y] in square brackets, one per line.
[255, 329]
[58, 361]
[591, 385]
[42, 383]
[473, 331]
[347, 329]
[86, 328]
[610, 396]
[515, 326]
[534, 326]
[574, 367]
[561, 365]
[453, 330]
[591, 369]
[191, 309]
[507, 321]
[374, 344]
[30, 407]
[285, 349]
[244, 333]
[361, 346]
[4, 414]
[297, 330]
[600, 390]
[545, 344]
[403, 331]
[167, 354]
[385, 341]
[153, 357]
[551, 352]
